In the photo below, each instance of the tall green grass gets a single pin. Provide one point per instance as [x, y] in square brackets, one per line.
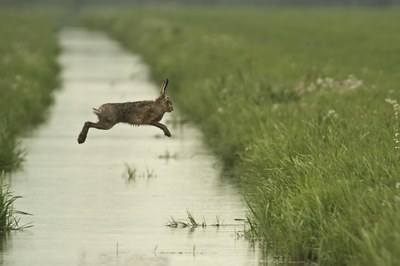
[28, 75]
[294, 104]
[9, 219]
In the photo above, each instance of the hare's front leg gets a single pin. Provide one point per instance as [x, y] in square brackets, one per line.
[163, 128]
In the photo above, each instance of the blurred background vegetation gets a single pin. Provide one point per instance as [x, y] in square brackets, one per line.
[305, 3]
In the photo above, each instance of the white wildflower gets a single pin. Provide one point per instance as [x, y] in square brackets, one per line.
[300, 88]
[390, 101]
[329, 82]
[395, 105]
[332, 113]
[396, 109]
[351, 83]
[311, 87]
[275, 107]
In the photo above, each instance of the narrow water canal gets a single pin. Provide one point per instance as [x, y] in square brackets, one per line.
[86, 210]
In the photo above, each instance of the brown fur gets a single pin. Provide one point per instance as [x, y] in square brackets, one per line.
[133, 113]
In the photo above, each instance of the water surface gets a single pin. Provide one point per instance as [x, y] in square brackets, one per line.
[86, 209]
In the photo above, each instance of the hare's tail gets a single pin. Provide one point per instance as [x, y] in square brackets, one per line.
[96, 111]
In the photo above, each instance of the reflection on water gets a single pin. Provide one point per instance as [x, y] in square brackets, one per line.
[107, 201]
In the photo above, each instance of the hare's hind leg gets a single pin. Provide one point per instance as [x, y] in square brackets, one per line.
[99, 125]
[82, 136]
[162, 127]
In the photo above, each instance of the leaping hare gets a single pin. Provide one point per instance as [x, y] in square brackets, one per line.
[133, 113]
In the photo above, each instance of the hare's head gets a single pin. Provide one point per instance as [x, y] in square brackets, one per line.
[163, 100]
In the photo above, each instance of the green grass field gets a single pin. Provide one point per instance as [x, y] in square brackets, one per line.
[301, 107]
[28, 75]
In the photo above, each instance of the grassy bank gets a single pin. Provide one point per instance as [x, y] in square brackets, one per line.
[301, 106]
[28, 75]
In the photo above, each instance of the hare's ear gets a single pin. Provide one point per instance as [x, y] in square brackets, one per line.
[164, 87]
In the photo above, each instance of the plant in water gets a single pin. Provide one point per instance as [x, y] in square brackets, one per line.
[192, 222]
[193, 252]
[9, 219]
[130, 173]
[218, 222]
[167, 155]
[149, 173]
[172, 222]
